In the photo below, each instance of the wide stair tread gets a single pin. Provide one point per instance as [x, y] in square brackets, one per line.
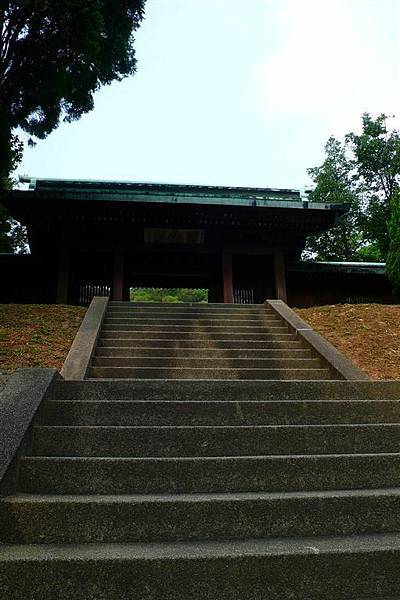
[207, 374]
[217, 570]
[145, 412]
[201, 363]
[172, 517]
[196, 441]
[201, 353]
[274, 473]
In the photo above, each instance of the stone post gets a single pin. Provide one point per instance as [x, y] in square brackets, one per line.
[227, 278]
[118, 280]
[280, 275]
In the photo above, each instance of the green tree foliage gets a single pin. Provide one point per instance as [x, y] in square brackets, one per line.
[334, 183]
[377, 157]
[393, 257]
[168, 295]
[54, 54]
[13, 238]
[363, 172]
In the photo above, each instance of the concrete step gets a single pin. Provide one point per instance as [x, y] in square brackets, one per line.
[196, 322]
[190, 329]
[206, 373]
[228, 390]
[206, 363]
[181, 441]
[148, 412]
[188, 313]
[311, 568]
[205, 353]
[285, 342]
[161, 518]
[196, 336]
[92, 475]
[189, 305]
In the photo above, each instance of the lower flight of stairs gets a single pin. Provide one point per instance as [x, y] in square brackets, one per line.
[209, 341]
[197, 490]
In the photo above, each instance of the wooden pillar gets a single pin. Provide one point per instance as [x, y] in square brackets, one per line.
[118, 280]
[280, 275]
[227, 278]
[63, 276]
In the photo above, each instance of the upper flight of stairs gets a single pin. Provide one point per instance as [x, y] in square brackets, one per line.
[209, 341]
[207, 490]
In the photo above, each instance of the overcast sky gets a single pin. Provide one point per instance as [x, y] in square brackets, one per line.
[234, 92]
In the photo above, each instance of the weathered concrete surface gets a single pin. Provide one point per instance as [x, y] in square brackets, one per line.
[340, 568]
[225, 412]
[225, 490]
[204, 328]
[80, 519]
[203, 441]
[20, 397]
[78, 359]
[207, 374]
[238, 391]
[339, 364]
[180, 475]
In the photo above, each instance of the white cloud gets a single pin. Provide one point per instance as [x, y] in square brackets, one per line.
[337, 59]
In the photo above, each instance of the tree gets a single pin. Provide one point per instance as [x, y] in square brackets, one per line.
[364, 172]
[393, 257]
[54, 54]
[334, 183]
[377, 159]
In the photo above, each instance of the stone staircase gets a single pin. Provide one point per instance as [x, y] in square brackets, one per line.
[210, 341]
[217, 490]
[204, 453]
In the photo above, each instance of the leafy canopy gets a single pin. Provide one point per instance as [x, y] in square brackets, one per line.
[54, 54]
[334, 183]
[364, 172]
[377, 155]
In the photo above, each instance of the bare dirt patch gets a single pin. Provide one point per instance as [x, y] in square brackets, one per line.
[33, 335]
[368, 334]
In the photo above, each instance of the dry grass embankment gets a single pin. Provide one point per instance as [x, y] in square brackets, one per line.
[33, 335]
[368, 334]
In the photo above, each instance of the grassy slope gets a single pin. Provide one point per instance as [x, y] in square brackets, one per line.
[369, 334]
[36, 335]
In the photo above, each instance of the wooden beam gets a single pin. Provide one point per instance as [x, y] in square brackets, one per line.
[118, 280]
[227, 278]
[280, 275]
[63, 276]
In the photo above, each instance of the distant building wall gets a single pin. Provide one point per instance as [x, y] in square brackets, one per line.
[317, 284]
[29, 279]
